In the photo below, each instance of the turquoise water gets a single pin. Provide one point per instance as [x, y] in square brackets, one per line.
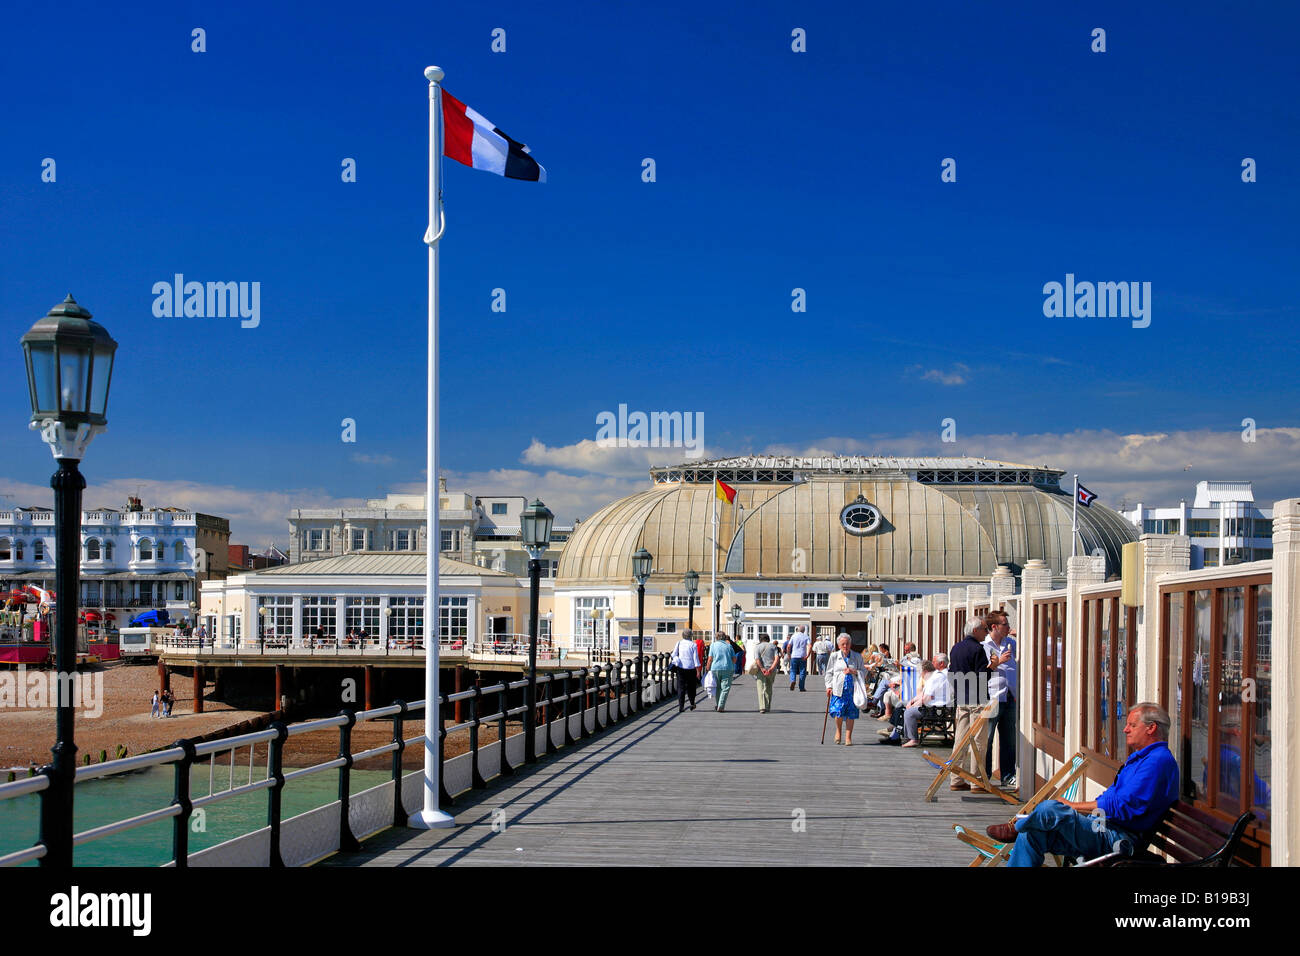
[106, 800]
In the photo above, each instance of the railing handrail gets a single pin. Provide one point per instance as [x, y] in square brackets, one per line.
[613, 682]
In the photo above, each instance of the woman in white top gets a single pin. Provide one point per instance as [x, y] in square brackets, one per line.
[686, 657]
[845, 686]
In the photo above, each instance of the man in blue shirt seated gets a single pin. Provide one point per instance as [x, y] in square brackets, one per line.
[1145, 787]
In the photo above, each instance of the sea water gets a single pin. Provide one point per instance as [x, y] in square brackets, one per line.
[110, 799]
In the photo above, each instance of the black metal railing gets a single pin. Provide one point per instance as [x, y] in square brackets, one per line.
[561, 695]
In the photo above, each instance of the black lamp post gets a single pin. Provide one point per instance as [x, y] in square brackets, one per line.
[69, 362]
[535, 533]
[692, 587]
[642, 562]
[736, 615]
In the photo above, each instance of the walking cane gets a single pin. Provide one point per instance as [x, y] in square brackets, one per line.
[825, 716]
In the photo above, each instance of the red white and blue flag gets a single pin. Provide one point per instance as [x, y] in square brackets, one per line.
[469, 138]
[1085, 497]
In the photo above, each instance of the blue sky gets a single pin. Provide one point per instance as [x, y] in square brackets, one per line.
[775, 170]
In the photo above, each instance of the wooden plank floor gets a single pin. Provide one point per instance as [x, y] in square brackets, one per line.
[706, 788]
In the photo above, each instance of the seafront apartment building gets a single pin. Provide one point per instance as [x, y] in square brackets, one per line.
[131, 558]
[478, 530]
[1223, 523]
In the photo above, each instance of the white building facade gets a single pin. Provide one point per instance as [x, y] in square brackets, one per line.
[1223, 523]
[131, 560]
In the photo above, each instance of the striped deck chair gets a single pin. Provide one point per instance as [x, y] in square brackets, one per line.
[911, 685]
[960, 749]
[1066, 784]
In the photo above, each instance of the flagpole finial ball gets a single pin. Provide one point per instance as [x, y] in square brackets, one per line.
[433, 74]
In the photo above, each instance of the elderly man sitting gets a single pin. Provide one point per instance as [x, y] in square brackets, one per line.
[1145, 787]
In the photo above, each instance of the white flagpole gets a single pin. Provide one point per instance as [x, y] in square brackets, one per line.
[1074, 521]
[713, 580]
[431, 816]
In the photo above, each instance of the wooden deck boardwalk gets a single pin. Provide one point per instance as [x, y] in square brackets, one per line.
[706, 788]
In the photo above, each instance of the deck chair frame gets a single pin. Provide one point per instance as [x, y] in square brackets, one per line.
[959, 751]
[1063, 785]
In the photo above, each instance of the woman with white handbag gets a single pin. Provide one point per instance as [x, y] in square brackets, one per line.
[846, 688]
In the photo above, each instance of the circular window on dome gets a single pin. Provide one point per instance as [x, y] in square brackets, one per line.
[860, 517]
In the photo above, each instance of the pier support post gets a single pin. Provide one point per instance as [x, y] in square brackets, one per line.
[199, 681]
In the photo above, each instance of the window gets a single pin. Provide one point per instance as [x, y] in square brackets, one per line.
[158, 553]
[1049, 681]
[1109, 680]
[1238, 527]
[180, 590]
[278, 621]
[178, 551]
[402, 540]
[586, 631]
[1217, 643]
[91, 591]
[1161, 526]
[544, 630]
[450, 540]
[18, 550]
[816, 599]
[680, 600]
[362, 614]
[108, 551]
[146, 549]
[146, 593]
[453, 618]
[1209, 557]
[666, 627]
[862, 602]
[1263, 527]
[1203, 528]
[38, 550]
[315, 540]
[319, 612]
[92, 549]
[358, 539]
[407, 620]
[767, 599]
[498, 507]
[5, 553]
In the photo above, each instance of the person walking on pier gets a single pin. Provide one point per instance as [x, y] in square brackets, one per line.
[722, 664]
[822, 649]
[798, 648]
[687, 659]
[845, 686]
[767, 655]
[154, 711]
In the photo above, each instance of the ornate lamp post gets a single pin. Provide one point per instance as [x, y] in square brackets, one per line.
[692, 588]
[737, 615]
[535, 533]
[194, 621]
[642, 562]
[69, 361]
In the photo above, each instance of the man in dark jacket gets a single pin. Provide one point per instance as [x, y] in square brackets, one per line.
[970, 668]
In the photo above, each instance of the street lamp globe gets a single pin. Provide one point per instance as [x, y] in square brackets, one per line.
[69, 359]
[692, 582]
[642, 562]
[535, 529]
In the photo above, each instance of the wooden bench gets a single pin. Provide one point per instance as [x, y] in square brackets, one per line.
[1193, 837]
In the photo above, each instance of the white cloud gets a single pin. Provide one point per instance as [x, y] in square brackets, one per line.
[959, 375]
[580, 479]
[589, 456]
[363, 459]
